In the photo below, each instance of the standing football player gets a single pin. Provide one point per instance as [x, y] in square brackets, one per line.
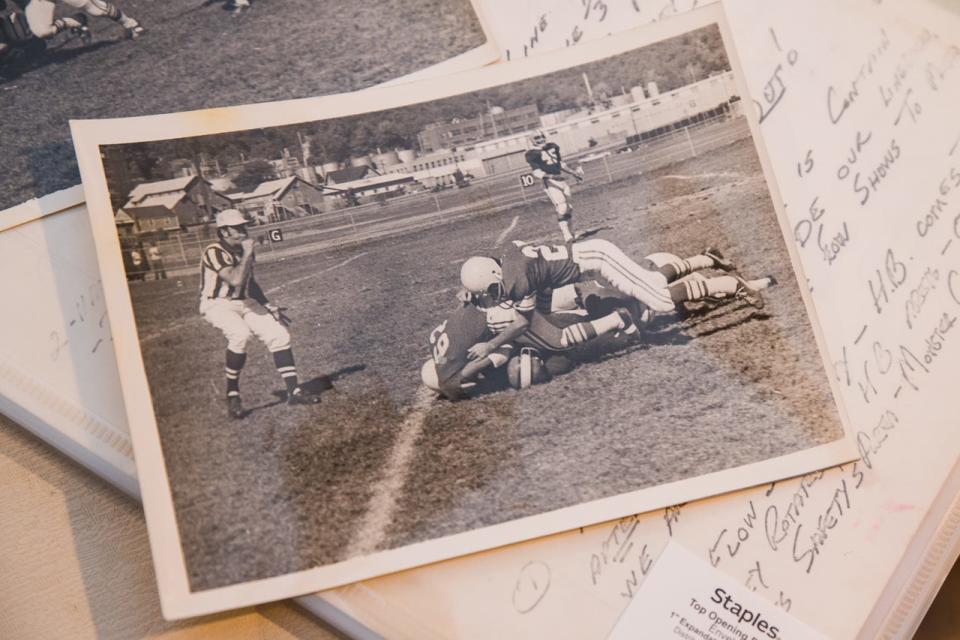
[547, 164]
[43, 24]
[527, 273]
[233, 302]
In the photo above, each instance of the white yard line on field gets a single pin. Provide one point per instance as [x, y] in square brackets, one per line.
[503, 235]
[373, 529]
[316, 273]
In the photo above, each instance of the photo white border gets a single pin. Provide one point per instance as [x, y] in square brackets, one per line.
[40, 207]
[485, 54]
[177, 600]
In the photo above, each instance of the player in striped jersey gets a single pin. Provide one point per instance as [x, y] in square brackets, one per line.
[233, 302]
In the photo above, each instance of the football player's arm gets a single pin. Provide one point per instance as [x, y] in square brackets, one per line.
[455, 388]
[255, 292]
[576, 173]
[474, 367]
[496, 359]
[235, 275]
[513, 331]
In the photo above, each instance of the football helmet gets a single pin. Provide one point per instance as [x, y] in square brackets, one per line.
[230, 218]
[526, 369]
[481, 274]
[539, 137]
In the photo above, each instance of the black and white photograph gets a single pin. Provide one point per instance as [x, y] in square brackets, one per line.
[366, 332]
[62, 59]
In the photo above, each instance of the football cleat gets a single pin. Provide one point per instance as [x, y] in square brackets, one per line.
[719, 260]
[235, 408]
[81, 31]
[302, 396]
[629, 326]
[134, 31]
[238, 8]
[748, 294]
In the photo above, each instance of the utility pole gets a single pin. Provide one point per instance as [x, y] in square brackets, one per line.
[304, 147]
[493, 120]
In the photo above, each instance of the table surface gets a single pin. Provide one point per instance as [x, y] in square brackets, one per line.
[75, 563]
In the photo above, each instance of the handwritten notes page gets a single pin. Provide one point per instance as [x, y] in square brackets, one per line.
[58, 375]
[858, 110]
[535, 26]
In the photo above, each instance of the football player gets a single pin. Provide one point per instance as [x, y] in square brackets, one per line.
[527, 273]
[233, 302]
[43, 24]
[547, 164]
[452, 368]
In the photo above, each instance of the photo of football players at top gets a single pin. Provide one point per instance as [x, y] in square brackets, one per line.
[43, 24]
[59, 58]
[418, 245]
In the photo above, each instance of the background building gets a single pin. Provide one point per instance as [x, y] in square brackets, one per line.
[191, 199]
[494, 123]
[280, 199]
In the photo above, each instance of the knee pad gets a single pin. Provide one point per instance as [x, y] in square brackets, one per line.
[97, 8]
[238, 342]
[280, 339]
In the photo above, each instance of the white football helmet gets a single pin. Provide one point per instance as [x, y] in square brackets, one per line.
[479, 273]
[539, 137]
[428, 375]
[230, 218]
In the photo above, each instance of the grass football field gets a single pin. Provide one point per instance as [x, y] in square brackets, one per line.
[195, 55]
[379, 464]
